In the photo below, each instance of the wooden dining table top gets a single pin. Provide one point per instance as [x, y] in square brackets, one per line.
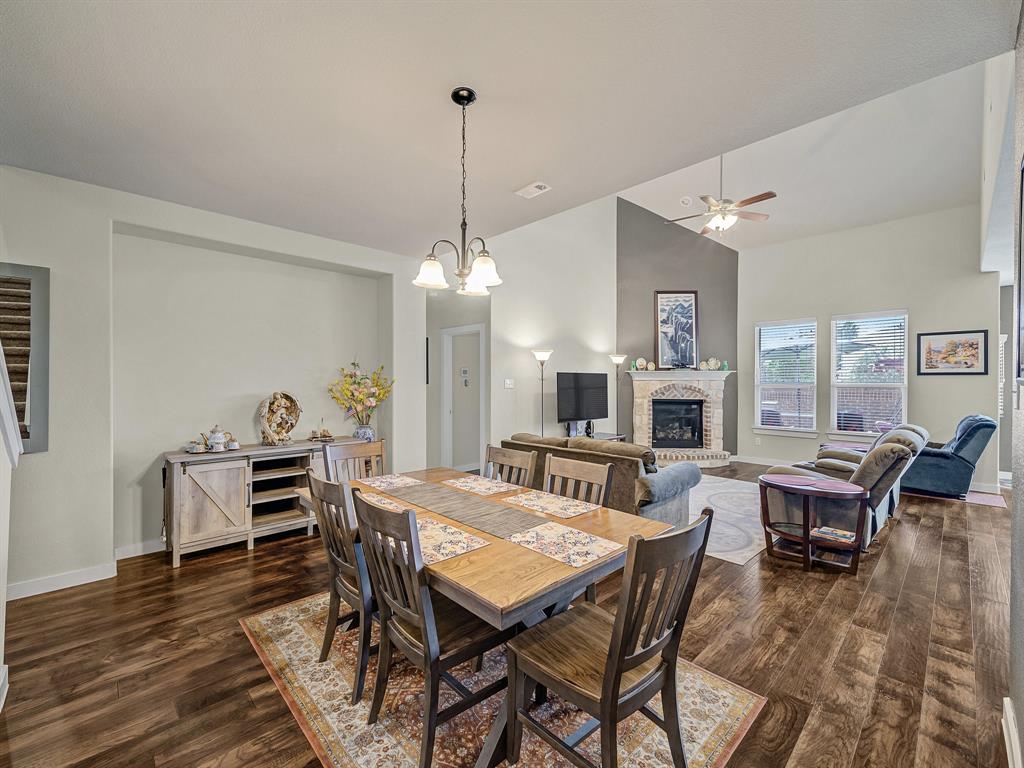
[503, 582]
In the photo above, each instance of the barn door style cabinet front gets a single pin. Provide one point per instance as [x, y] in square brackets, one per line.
[211, 499]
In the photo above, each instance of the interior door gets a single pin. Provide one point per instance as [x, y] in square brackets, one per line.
[214, 500]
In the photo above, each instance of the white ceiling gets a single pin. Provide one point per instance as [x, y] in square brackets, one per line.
[910, 152]
[334, 118]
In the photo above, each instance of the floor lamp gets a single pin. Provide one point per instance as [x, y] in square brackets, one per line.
[618, 360]
[542, 355]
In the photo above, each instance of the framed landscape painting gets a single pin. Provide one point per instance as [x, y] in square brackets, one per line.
[952, 353]
[675, 319]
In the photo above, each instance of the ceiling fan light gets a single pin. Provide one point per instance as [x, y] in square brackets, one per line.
[485, 270]
[722, 221]
[431, 274]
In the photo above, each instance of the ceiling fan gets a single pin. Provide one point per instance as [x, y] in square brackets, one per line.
[724, 213]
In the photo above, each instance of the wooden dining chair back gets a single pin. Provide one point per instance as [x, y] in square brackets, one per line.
[580, 480]
[433, 632]
[516, 467]
[353, 461]
[395, 561]
[349, 578]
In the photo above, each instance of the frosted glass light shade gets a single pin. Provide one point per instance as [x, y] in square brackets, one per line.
[431, 274]
[485, 270]
[617, 359]
[722, 221]
[474, 286]
[542, 355]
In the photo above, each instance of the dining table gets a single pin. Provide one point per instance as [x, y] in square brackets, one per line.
[508, 584]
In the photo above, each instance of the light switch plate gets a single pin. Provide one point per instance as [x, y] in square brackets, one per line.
[510, 383]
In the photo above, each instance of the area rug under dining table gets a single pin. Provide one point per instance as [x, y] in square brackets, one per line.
[715, 714]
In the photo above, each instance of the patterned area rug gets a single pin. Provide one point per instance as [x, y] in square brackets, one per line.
[736, 533]
[715, 714]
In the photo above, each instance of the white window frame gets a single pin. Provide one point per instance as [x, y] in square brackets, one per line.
[793, 431]
[834, 431]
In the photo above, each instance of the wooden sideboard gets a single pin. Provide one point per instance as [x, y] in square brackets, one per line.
[211, 499]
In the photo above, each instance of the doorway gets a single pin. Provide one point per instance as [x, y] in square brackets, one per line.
[463, 397]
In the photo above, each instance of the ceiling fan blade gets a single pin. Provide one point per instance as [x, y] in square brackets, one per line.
[709, 201]
[706, 230]
[694, 216]
[751, 216]
[755, 199]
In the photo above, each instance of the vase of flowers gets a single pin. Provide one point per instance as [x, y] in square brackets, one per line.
[359, 395]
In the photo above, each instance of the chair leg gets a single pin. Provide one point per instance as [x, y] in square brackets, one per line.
[332, 625]
[609, 745]
[362, 656]
[670, 713]
[432, 687]
[516, 700]
[592, 594]
[478, 663]
[380, 684]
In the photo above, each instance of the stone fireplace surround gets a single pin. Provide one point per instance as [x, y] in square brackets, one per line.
[683, 384]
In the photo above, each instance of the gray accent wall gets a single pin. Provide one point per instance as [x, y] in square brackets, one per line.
[1006, 420]
[652, 255]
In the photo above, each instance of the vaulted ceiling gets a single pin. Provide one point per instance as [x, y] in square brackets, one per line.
[334, 118]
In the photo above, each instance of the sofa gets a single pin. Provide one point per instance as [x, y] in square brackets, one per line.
[878, 472]
[946, 469]
[638, 485]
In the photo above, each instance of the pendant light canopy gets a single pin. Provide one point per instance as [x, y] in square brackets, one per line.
[475, 271]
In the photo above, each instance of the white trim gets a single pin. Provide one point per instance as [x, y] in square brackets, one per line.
[1011, 735]
[446, 389]
[854, 437]
[468, 468]
[139, 548]
[763, 460]
[986, 488]
[681, 374]
[4, 685]
[806, 434]
[1005, 476]
[9, 417]
[20, 589]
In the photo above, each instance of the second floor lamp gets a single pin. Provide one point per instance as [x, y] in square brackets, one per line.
[541, 356]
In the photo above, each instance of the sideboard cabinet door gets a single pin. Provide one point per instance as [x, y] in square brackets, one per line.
[214, 501]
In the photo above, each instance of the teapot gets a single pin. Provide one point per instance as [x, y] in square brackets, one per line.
[216, 439]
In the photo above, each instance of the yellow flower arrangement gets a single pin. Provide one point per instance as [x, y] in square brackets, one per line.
[359, 394]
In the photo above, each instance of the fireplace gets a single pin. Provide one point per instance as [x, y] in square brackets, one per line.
[677, 423]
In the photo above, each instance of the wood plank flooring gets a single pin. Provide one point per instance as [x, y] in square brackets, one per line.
[903, 665]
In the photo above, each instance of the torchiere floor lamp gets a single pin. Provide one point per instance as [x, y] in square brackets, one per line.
[542, 356]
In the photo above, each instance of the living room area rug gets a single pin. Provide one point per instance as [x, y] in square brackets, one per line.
[736, 531]
[715, 714]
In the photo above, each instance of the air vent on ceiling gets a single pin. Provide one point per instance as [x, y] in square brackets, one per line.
[532, 190]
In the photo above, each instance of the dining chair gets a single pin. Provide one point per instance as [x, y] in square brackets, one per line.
[516, 467]
[608, 665]
[434, 633]
[353, 461]
[349, 578]
[582, 480]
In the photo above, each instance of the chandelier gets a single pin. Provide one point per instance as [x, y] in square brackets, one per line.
[474, 270]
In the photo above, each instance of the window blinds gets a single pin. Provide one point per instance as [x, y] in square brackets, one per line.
[786, 374]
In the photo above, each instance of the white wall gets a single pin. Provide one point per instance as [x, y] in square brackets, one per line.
[62, 508]
[559, 293]
[203, 350]
[926, 264]
[446, 309]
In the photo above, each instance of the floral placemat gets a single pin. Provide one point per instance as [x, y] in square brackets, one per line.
[483, 486]
[386, 482]
[439, 541]
[552, 504]
[384, 501]
[565, 544]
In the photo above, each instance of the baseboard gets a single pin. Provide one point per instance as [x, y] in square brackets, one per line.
[468, 468]
[986, 487]
[1011, 735]
[3, 685]
[1005, 477]
[20, 589]
[761, 460]
[139, 548]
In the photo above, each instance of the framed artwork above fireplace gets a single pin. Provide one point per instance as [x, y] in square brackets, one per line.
[675, 329]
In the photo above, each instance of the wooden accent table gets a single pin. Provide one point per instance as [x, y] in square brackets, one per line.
[797, 541]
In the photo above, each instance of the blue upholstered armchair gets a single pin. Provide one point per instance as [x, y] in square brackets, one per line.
[946, 470]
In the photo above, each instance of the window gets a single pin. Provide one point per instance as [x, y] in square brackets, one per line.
[869, 372]
[784, 378]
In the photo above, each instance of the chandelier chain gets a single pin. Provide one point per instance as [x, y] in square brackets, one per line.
[463, 167]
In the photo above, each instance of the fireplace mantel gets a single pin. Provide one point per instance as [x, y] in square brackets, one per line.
[681, 374]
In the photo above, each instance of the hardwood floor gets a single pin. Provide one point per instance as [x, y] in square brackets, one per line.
[904, 664]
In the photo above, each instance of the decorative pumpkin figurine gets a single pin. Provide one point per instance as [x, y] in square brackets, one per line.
[640, 363]
[650, 365]
[703, 365]
[714, 364]
[278, 416]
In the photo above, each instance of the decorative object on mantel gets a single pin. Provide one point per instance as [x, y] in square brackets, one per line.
[712, 364]
[956, 353]
[476, 279]
[640, 364]
[541, 356]
[360, 395]
[651, 366]
[675, 328]
[278, 416]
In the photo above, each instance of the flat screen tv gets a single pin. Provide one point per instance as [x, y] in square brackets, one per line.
[582, 396]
